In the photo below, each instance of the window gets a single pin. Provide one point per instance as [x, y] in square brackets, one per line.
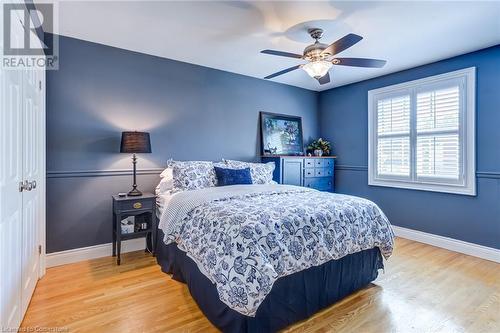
[422, 134]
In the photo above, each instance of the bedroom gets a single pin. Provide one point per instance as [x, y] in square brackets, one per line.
[158, 177]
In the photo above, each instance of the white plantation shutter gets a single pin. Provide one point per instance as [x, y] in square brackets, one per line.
[438, 144]
[422, 133]
[393, 128]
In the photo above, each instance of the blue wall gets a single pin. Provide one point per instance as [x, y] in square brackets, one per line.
[344, 120]
[192, 112]
[195, 112]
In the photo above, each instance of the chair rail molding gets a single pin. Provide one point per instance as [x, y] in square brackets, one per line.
[364, 168]
[101, 173]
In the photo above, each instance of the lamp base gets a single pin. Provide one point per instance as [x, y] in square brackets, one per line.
[134, 193]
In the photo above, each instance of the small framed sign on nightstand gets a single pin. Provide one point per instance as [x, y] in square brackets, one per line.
[134, 217]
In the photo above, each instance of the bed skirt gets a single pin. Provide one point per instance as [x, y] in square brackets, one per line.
[292, 298]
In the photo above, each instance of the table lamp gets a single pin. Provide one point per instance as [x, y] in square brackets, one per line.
[135, 143]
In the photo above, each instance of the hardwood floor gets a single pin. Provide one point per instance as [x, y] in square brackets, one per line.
[423, 289]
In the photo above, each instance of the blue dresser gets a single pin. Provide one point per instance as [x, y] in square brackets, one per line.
[313, 172]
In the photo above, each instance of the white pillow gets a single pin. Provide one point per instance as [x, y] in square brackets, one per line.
[262, 173]
[167, 173]
[164, 186]
[166, 182]
[192, 175]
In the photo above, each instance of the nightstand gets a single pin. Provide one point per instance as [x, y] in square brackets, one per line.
[143, 209]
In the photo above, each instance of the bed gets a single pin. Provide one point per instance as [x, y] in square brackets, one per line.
[257, 258]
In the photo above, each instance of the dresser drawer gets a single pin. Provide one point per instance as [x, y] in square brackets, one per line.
[318, 163]
[134, 204]
[311, 182]
[326, 184]
[322, 184]
[319, 172]
[329, 172]
[309, 172]
[309, 163]
[328, 163]
[323, 172]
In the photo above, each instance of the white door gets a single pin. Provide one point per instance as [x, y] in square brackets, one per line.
[32, 119]
[22, 161]
[11, 168]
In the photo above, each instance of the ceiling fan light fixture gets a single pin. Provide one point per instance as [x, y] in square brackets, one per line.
[317, 69]
[318, 53]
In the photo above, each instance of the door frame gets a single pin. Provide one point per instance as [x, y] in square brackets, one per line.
[42, 239]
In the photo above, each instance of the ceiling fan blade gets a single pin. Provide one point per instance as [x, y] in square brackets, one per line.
[283, 54]
[359, 62]
[324, 79]
[283, 72]
[343, 43]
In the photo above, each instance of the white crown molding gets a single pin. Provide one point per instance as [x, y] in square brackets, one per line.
[451, 244]
[91, 252]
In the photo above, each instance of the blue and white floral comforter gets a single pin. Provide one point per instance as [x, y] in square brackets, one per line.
[245, 237]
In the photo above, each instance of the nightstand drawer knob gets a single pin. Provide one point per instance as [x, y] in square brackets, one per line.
[137, 205]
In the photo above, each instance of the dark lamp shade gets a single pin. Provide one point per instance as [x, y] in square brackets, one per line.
[135, 142]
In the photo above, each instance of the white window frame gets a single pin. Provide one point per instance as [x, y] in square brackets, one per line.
[467, 182]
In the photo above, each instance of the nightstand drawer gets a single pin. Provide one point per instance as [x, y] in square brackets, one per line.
[134, 204]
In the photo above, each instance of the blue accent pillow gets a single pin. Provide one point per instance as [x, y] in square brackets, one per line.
[233, 176]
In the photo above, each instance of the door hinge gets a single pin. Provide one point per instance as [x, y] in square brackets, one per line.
[39, 249]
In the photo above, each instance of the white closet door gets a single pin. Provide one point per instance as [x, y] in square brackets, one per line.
[11, 168]
[22, 213]
[32, 119]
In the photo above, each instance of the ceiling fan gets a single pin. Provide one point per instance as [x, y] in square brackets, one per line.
[321, 58]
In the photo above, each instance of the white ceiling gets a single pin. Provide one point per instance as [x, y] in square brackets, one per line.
[229, 35]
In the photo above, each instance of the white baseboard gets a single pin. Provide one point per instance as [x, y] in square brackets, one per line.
[104, 250]
[91, 252]
[456, 245]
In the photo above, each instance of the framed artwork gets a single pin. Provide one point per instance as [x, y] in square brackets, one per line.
[281, 134]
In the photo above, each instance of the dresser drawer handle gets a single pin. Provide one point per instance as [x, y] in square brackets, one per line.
[137, 205]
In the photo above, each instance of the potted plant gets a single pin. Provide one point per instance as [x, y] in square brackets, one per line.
[319, 147]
